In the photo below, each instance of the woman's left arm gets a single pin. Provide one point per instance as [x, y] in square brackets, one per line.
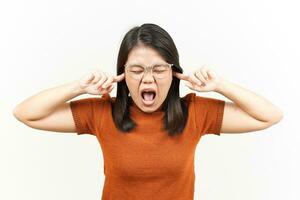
[247, 112]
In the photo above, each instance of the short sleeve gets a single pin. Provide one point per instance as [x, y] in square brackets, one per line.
[86, 114]
[209, 114]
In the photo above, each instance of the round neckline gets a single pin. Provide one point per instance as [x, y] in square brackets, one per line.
[136, 110]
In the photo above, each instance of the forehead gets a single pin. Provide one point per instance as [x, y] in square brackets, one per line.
[144, 55]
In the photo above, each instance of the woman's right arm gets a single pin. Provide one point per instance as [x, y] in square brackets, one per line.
[49, 109]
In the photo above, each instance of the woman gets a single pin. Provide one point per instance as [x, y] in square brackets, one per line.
[148, 133]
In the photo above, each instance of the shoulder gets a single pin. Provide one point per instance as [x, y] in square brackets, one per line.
[192, 98]
[92, 102]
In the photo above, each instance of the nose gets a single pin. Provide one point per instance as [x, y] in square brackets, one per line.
[148, 77]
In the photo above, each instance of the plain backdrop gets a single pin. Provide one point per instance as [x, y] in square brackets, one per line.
[253, 43]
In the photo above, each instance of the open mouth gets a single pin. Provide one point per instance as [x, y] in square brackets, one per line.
[148, 97]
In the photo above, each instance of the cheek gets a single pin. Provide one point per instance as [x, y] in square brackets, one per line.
[168, 83]
[165, 86]
[132, 86]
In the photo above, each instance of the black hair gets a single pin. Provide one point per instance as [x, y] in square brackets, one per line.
[175, 108]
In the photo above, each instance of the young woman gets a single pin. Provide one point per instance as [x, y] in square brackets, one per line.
[148, 133]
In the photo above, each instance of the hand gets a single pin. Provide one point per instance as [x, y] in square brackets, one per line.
[99, 82]
[201, 80]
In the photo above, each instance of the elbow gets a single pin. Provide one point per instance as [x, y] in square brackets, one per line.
[277, 117]
[17, 115]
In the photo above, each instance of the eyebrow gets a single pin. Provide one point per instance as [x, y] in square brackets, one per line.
[135, 63]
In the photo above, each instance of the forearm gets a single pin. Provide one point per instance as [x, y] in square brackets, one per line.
[255, 105]
[44, 102]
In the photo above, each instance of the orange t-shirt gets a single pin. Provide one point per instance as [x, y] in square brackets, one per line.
[147, 163]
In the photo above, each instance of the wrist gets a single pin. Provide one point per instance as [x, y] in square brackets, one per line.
[220, 88]
[76, 88]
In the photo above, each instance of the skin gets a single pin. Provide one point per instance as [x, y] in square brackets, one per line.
[247, 112]
[147, 57]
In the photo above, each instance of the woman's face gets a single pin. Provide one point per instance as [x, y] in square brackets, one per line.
[147, 101]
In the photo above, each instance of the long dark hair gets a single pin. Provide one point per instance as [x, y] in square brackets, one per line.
[175, 108]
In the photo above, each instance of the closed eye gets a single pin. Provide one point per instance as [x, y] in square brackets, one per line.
[137, 72]
[159, 71]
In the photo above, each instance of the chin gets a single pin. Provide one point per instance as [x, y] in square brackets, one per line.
[148, 109]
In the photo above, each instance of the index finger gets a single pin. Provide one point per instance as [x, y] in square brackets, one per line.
[119, 77]
[181, 76]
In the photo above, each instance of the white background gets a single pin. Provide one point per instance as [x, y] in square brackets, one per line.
[252, 43]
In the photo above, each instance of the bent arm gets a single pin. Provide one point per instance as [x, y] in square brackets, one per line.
[248, 111]
[45, 102]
